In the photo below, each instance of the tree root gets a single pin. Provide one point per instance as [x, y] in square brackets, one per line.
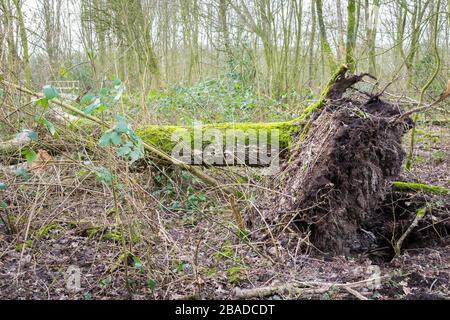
[419, 215]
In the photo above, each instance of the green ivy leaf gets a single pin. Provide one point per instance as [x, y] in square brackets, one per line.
[95, 107]
[138, 264]
[51, 128]
[175, 205]
[29, 155]
[185, 175]
[117, 82]
[115, 138]
[87, 98]
[106, 281]
[23, 173]
[151, 284]
[87, 296]
[105, 139]
[119, 93]
[48, 125]
[105, 176]
[135, 155]
[103, 92]
[3, 186]
[2, 93]
[50, 92]
[43, 102]
[122, 125]
[123, 151]
[33, 136]
[3, 205]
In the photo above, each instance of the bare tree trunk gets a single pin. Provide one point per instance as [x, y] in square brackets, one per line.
[340, 25]
[326, 48]
[371, 24]
[311, 44]
[24, 41]
[351, 35]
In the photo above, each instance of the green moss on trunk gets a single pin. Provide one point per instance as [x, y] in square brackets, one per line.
[161, 136]
[415, 187]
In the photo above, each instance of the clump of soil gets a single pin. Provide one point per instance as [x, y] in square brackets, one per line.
[394, 216]
[340, 171]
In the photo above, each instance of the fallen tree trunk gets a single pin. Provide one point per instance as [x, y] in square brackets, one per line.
[166, 137]
[163, 154]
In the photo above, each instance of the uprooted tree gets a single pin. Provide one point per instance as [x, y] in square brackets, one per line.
[342, 158]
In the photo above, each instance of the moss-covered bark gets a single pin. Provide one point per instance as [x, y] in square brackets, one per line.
[160, 136]
[419, 187]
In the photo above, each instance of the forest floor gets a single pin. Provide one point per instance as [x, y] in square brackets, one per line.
[180, 242]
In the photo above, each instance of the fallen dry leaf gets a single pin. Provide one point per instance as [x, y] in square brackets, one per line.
[41, 161]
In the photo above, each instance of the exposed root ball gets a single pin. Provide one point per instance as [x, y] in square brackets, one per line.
[339, 173]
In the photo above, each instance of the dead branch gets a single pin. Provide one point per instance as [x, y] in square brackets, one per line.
[304, 287]
[444, 95]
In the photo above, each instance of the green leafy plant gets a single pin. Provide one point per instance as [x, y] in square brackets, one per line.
[210, 100]
[234, 274]
[87, 296]
[3, 205]
[50, 92]
[29, 154]
[138, 264]
[106, 99]
[48, 125]
[104, 175]
[32, 135]
[23, 173]
[151, 284]
[125, 139]
[106, 281]
[227, 253]
[24, 245]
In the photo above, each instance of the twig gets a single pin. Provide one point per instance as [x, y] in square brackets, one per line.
[356, 293]
[444, 95]
[419, 215]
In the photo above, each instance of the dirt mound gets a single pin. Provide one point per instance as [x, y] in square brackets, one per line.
[339, 171]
